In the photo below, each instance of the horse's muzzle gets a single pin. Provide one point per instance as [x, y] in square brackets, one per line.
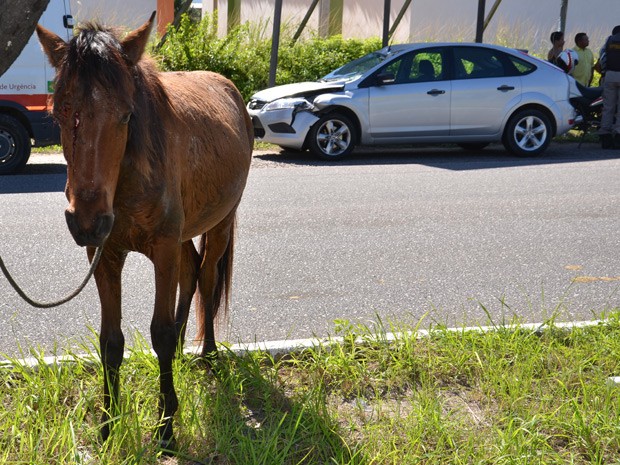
[95, 235]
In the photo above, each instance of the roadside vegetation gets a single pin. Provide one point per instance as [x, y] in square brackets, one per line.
[509, 396]
[243, 55]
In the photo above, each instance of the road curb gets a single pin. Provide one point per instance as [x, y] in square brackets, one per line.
[276, 348]
[283, 347]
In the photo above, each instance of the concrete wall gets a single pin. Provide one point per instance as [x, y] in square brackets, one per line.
[127, 14]
[518, 23]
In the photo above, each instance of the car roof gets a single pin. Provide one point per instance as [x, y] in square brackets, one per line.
[395, 48]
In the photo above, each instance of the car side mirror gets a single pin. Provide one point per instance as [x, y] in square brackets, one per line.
[385, 78]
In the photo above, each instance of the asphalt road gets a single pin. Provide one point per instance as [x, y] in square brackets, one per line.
[452, 237]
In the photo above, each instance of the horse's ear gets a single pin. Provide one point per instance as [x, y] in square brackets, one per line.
[135, 42]
[54, 47]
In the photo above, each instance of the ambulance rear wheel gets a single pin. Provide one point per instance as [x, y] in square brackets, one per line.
[14, 145]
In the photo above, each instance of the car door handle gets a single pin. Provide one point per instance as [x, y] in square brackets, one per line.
[505, 88]
[436, 92]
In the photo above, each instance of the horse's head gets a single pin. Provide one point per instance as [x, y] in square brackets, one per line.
[93, 104]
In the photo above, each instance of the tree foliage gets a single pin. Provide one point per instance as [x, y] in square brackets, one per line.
[243, 55]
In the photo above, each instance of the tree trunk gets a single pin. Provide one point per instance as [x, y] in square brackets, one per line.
[16, 27]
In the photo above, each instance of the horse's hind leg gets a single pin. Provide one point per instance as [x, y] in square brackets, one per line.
[214, 280]
[111, 339]
[188, 279]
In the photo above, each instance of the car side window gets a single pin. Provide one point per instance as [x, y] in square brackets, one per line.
[521, 67]
[395, 68]
[426, 66]
[477, 62]
[420, 66]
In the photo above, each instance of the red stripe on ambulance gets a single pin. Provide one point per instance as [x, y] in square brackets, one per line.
[33, 102]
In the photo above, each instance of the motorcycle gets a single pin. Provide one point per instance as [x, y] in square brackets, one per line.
[589, 109]
[587, 101]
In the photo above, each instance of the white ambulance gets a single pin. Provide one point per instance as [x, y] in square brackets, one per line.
[25, 94]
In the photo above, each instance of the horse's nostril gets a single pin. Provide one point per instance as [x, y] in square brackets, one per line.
[103, 226]
[71, 221]
[93, 236]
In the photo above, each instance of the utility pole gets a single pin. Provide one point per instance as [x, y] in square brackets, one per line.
[275, 43]
[386, 21]
[480, 21]
[563, 12]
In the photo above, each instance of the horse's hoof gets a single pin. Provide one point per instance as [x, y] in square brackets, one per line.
[210, 356]
[208, 359]
[167, 447]
[213, 364]
[105, 432]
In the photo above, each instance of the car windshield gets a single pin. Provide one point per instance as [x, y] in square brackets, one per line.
[357, 67]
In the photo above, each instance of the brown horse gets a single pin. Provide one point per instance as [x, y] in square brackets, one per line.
[153, 160]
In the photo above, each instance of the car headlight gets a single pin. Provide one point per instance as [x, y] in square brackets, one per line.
[288, 103]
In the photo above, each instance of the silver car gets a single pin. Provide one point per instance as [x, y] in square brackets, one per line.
[469, 94]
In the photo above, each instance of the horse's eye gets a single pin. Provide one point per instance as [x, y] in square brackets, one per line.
[126, 118]
[61, 113]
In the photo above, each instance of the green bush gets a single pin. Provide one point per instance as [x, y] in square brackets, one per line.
[244, 54]
[311, 59]
[238, 56]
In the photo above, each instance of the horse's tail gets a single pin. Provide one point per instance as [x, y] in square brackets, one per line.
[249, 126]
[211, 298]
[224, 271]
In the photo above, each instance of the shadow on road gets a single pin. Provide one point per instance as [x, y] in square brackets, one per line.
[50, 176]
[36, 177]
[449, 158]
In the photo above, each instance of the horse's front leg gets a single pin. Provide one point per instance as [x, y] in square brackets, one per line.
[166, 258]
[111, 339]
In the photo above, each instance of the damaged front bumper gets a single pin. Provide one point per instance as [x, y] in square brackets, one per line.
[284, 122]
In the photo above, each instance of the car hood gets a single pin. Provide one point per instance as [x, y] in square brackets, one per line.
[296, 90]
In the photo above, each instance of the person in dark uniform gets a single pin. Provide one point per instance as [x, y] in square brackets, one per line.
[610, 65]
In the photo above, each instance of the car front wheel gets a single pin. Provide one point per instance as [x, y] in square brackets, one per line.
[332, 137]
[528, 133]
[14, 145]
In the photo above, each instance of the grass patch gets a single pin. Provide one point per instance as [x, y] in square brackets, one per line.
[508, 396]
[260, 145]
[56, 148]
[575, 135]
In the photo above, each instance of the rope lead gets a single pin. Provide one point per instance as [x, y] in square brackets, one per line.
[66, 299]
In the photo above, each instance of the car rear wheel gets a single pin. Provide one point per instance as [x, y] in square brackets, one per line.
[528, 133]
[332, 137]
[14, 145]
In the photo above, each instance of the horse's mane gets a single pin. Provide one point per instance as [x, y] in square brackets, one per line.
[95, 58]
